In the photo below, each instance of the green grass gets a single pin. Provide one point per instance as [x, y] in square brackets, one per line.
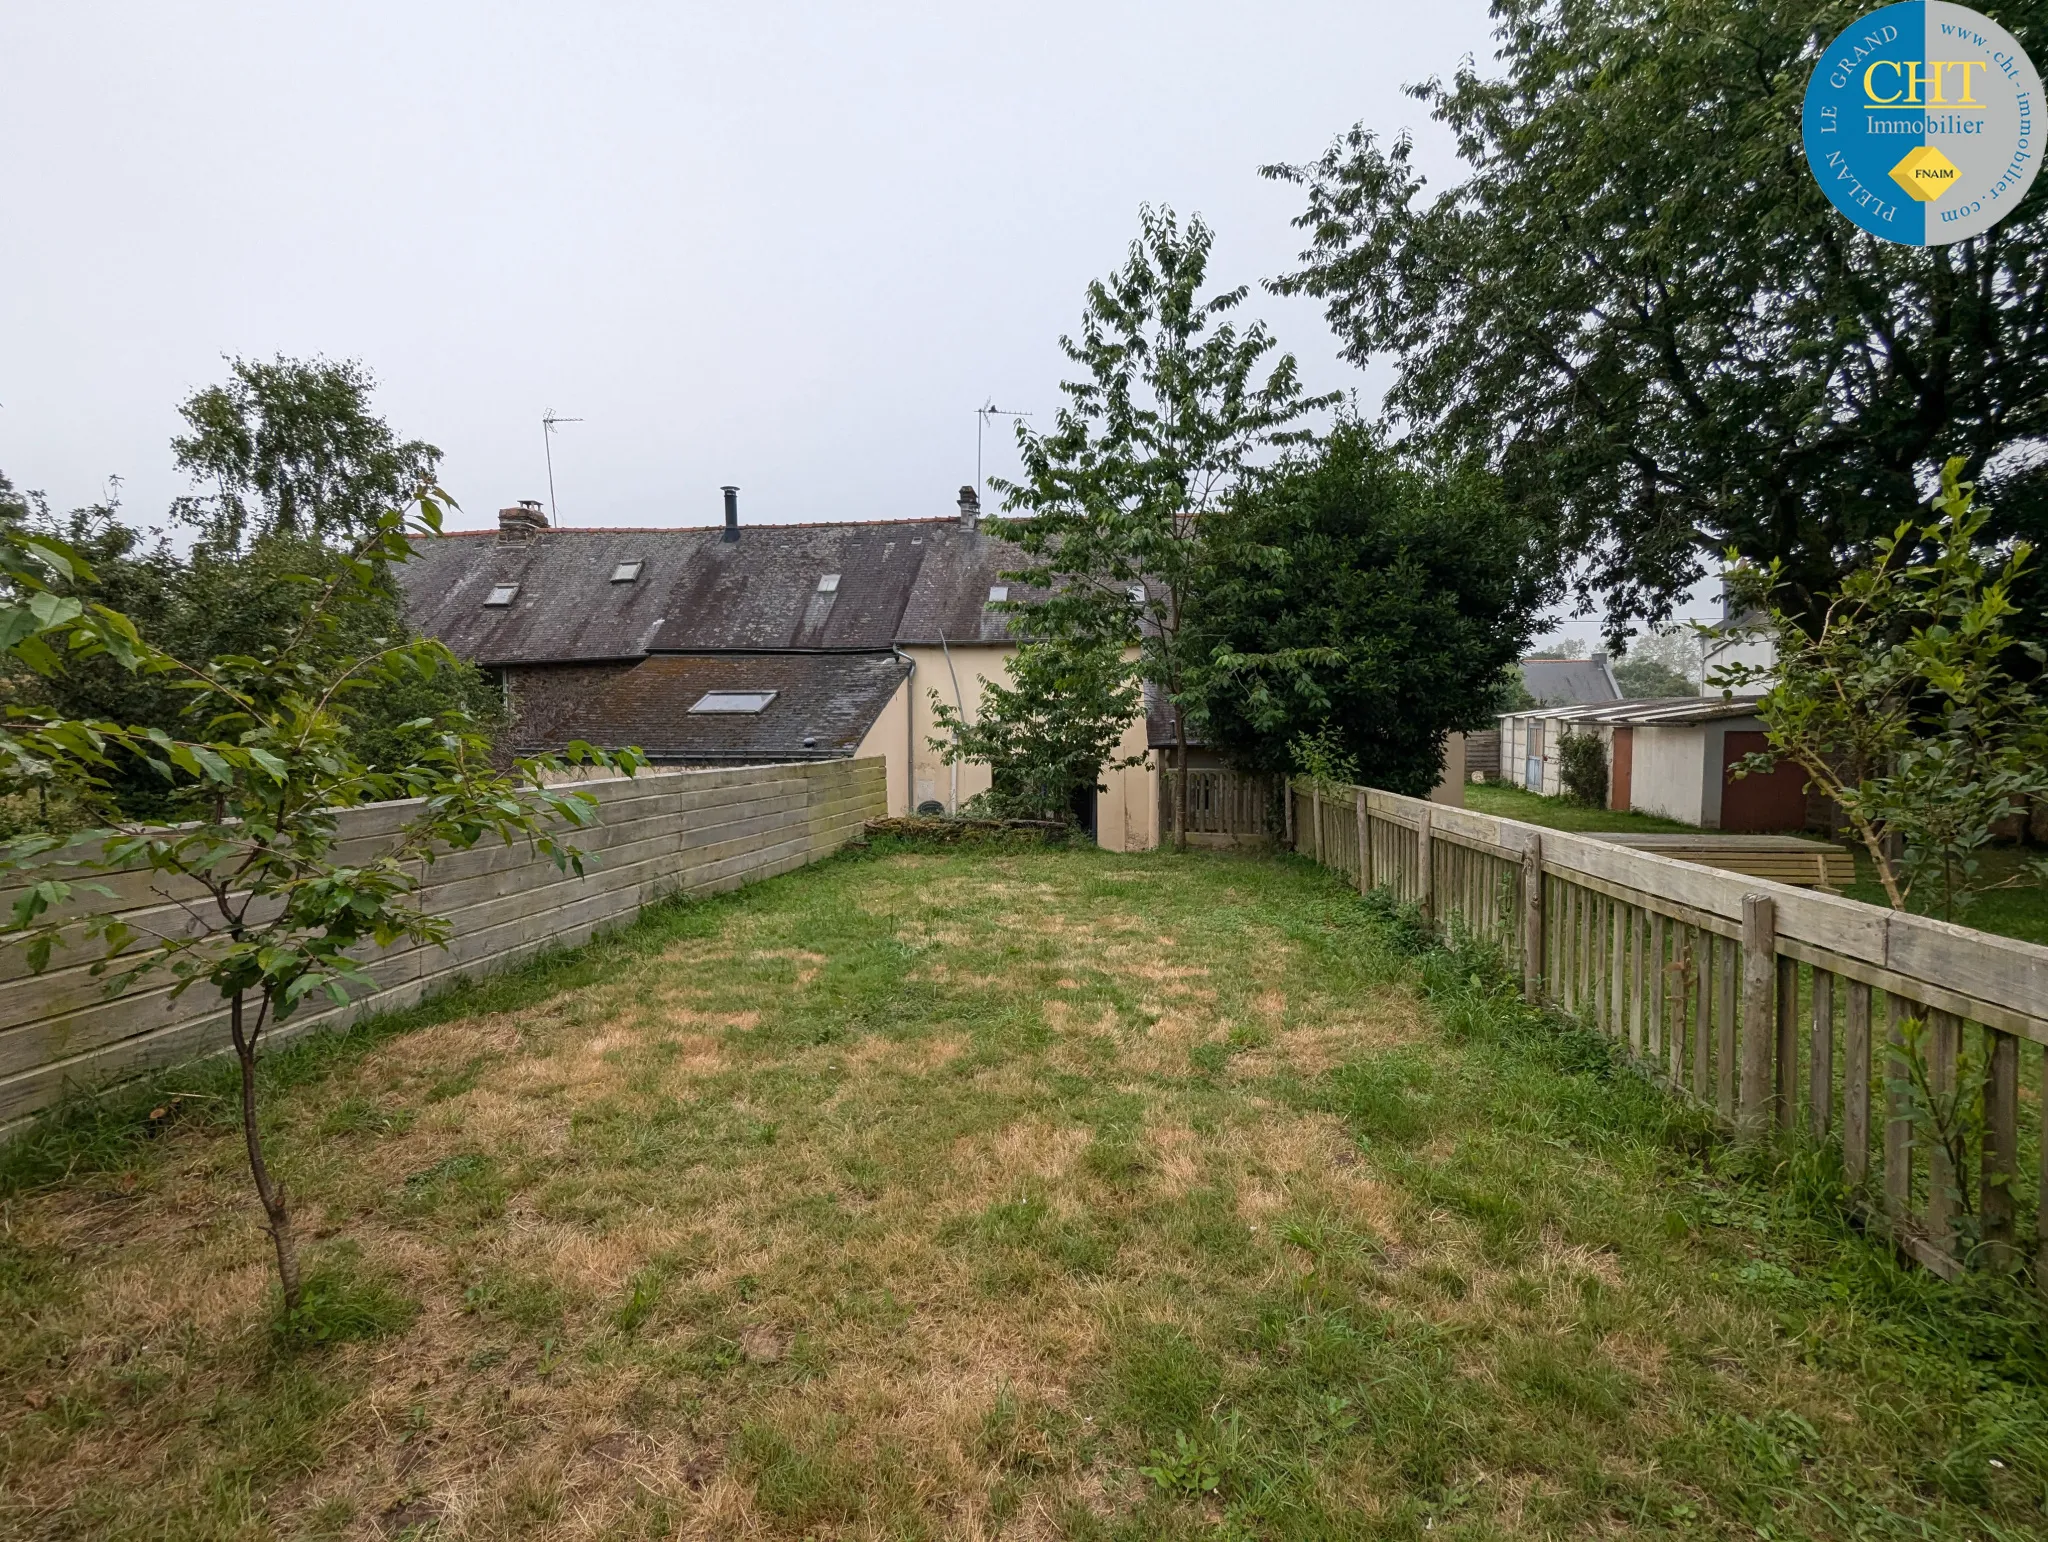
[932, 1194]
[1507, 802]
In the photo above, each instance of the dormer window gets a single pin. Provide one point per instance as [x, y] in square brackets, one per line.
[829, 584]
[502, 594]
[997, 593]
[733, 701]
[626, 572]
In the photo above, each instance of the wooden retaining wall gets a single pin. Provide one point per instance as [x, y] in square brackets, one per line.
[1780, 1009]
[658, 834]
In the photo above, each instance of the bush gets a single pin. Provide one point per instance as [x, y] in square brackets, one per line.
[1582, 767]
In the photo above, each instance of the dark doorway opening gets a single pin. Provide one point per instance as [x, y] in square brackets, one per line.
[1083, 809]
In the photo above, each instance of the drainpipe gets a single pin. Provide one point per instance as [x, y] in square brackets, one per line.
[960, 707]
[909, 731]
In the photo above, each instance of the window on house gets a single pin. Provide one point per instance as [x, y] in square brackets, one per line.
[733, 701]
[997, 592]
[829, 584]
[501, 594]
[626, 572]
[1137, 594]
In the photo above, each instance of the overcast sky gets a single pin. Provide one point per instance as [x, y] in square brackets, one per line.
[787, 246]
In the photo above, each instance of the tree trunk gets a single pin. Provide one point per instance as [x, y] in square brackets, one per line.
[275, 1212]
[1180, 791]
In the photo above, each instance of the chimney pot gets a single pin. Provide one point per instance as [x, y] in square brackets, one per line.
[970, 508]
[521, 522]
[732, 512]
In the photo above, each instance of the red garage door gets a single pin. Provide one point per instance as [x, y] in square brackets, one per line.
[1773, 802]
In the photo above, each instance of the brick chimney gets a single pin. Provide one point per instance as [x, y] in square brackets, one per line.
[970, 509]
[521, 523]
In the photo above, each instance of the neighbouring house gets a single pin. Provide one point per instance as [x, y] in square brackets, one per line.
[1670, 757]
[730, 644]
[1570, 682]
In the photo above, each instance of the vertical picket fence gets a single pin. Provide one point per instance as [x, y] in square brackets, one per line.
[1918, 1047]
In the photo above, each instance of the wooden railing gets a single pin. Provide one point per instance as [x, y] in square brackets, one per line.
[1235, 804]
[1763, 1002]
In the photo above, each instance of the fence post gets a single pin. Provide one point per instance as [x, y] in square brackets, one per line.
[1532, 919]
[2001, 1145]
[1287, 808]
[1425, 869]
[1759, 997]
[1364, 846]
[1315, 820]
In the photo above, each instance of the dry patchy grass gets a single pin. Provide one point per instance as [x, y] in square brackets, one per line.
[962, 1195]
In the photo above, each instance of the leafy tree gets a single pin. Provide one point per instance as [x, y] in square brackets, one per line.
[1638, 304]
[1661, 663]
[292, 448]
[1896, 699]
[1363, 594]
[1175, 413]
[1050, 732]
[216, 601]
[284, 916]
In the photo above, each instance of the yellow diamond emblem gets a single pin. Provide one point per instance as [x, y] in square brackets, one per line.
[1925, 173]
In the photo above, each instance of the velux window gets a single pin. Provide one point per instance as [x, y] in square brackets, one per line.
[733, 701]
[626, 572]
[829, 584]
[502, 594]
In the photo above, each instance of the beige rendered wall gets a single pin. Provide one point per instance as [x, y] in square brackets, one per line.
[1126, 815]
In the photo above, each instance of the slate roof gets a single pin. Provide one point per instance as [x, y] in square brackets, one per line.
[1570, 682]
[900, 582]
[830, 699]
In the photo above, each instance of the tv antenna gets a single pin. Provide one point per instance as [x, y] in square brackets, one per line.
[982, 414]
[548, 420]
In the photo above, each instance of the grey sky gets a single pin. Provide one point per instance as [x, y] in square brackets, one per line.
[786, 246]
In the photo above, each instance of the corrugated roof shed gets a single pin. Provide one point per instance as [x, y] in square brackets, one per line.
[899, 582]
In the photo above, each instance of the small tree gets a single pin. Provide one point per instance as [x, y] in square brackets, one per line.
[1174, 414]
[282, 916]
[1049, 733]
[1900, 702]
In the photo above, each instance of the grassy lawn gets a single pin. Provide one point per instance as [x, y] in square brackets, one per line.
[1507, 802]
[1037, 1194]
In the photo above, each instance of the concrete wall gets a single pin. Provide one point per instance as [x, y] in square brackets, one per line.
[662, 833]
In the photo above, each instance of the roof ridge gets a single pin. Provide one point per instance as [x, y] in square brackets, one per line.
[802, 524]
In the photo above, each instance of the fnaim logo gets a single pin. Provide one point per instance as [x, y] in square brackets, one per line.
[1923, 122]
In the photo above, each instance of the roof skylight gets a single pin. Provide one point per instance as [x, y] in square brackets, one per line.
[829, 584]
[997, 592]
[626, 572]
[733, 701]
[502, 594]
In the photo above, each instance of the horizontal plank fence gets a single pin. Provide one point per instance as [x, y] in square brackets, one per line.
[1917, 1047]
[658, 834]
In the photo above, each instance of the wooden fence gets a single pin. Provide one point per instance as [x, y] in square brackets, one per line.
[661, 833]
[1912, 1044]
[1224, 807]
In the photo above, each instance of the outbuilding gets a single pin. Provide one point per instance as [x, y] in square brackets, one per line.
[1670, 756]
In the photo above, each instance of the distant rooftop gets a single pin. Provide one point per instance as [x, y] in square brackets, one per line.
[1570, 682]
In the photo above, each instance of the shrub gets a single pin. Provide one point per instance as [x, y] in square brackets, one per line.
[1582, 767]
